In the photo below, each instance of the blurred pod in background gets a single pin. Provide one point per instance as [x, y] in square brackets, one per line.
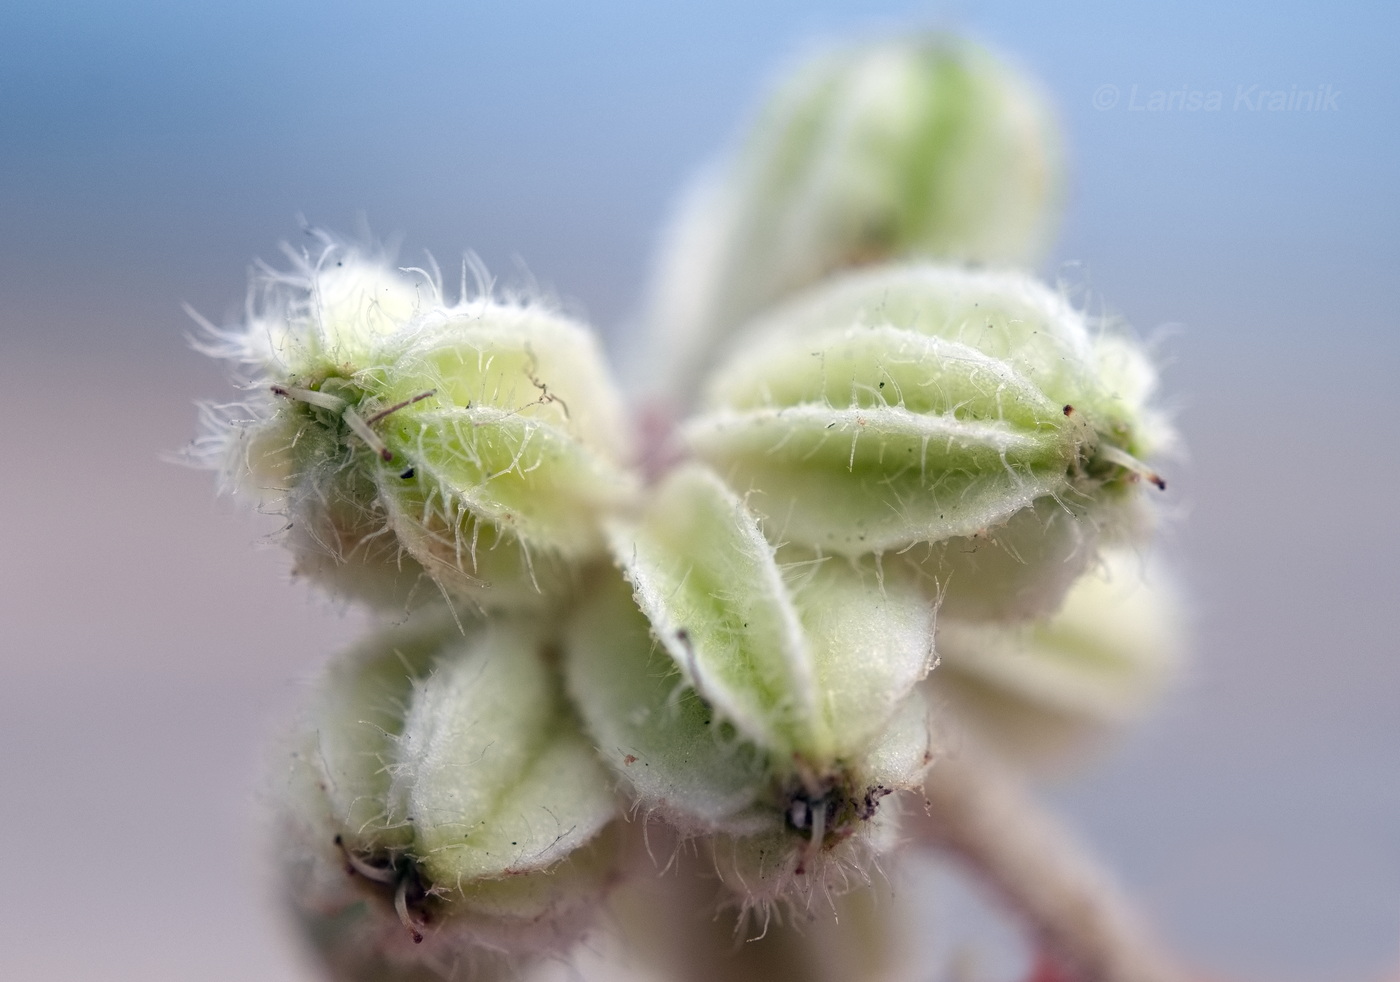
[924, 147]
[1042, 694]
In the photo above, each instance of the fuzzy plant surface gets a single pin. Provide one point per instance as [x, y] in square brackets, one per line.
[441, 767]
[771, 705]
[419, 447]
[901, 515]
[911, 406]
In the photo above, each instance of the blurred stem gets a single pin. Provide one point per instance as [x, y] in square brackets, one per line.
[983, 817]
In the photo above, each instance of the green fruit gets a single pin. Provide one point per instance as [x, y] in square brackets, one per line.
[743, 692]
[418, 447]
[907, 406]
[441, 785]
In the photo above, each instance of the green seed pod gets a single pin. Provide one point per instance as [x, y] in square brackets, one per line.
[477, 444]
[1036, 692]
[921, 147]
[906, 406]
[442, 799]
[748, 696]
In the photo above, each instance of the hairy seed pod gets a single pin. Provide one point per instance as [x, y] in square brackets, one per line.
[418, 446]
[746, 693]
[913, 148]
[1036, 692]
[907, 406]
[441, 797]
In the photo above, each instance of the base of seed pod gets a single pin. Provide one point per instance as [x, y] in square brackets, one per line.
[681, 926]
[336, 529]
[476, 562]
[351, 538]
[363, 545]
[792, 872]
[358, 558]
[353, 949]
[1015, 571]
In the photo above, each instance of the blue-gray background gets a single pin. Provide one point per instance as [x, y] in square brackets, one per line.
[148, 151]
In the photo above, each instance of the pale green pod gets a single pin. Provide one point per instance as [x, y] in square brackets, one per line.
[915, 147]
[808, 659]
[418, 446]
[1037, 692]
[912, 405]
[442, 796]
[741, 695]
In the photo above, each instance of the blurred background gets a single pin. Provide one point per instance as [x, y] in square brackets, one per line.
[149, 644]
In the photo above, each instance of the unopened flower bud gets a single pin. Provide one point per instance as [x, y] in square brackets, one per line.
[1034, 692]
[906, 406]
[479, 442]
[443, 799]
[748, 696]
[924, 147]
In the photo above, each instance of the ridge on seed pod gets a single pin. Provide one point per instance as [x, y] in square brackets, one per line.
[756, 699]
[970, 423]
[914, 147]
[418, 446]
[441, 804]
[1038, 693]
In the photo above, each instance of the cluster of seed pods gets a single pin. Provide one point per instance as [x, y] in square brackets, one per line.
[891, 460]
